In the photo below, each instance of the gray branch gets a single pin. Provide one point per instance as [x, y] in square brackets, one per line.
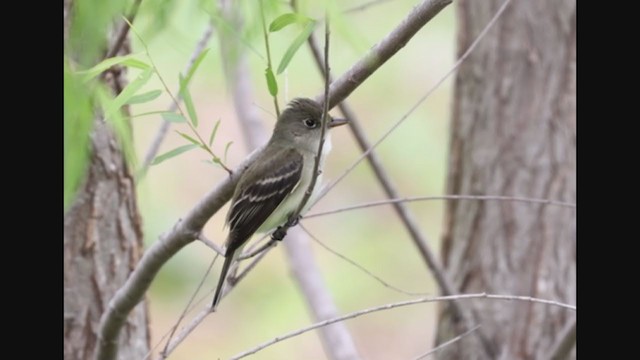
[384, 50]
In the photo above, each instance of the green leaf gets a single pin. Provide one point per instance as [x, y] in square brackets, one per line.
[213, 132]
[127, 60]
[194, 67]
[175, 152]
[127, 93]
[146, 97]
[173, 117]
[189, 138]
[295, 45]
[186, 96]
[272, 84]
[287, 19]
[226, 148]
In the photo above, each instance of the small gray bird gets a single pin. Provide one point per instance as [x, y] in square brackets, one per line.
[272, 187]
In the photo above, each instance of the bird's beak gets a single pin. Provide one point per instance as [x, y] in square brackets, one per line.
[337, 122]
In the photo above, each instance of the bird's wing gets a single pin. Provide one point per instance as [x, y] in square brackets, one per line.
[258, 196]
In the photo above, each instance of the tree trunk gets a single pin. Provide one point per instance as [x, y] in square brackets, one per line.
[513, 133]
[102, 244]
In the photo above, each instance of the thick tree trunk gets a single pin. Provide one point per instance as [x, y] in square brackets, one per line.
[514, 133]
[102, 244]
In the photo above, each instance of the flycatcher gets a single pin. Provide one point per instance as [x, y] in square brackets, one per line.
[272, 187]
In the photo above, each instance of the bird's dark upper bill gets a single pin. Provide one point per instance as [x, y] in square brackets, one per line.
[337, 122]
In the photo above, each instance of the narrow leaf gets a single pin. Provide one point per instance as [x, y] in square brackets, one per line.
[272, 84]
[127, 93]
[213, 132]
[186, 97]
[146, 97]
[175, 152]
[287, 19]
[192, 140]
[127, 60]
[194, 67]
[226, 148]
[295, 45]
[173, 117]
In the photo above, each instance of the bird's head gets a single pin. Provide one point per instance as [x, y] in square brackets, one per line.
[301, 123]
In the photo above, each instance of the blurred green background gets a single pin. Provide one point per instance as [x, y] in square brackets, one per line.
[268, 303]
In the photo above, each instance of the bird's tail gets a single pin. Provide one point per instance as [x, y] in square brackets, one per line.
[223, 277]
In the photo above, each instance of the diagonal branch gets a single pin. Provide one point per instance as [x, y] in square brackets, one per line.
[124, 30]
[445, 197]
[384, 50]
[396, 305]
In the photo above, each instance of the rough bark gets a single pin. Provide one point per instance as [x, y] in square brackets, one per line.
[102, 243]
[513, 133]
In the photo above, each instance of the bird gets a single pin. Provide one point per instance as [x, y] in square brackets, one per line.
[271, 188]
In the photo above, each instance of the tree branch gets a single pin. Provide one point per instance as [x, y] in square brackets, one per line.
[447, 343]
[124, 30]
[384, 50]
[445, 197]
[182, 233]
[396, 305]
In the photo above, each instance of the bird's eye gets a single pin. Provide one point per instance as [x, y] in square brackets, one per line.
[310, 123]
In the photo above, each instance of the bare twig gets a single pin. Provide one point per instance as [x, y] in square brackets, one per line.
[447, 343]
[164, 127]
[195, 322]
[396, 305]
[445, 197]
[210, 244]
[188, 329]
[385, 49]
[418, 103]
[360, 267]
[164, 353]
[364, 6]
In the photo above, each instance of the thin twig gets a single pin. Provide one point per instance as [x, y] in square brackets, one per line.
[384, 50]
[396, 305]
[210, 244]
[419, 102]
[364, 6]
[360, 267]
[164, 127]
[124, 30]
[164, 353]
[447, 343]
[252, 253]
[444, 197]
[188, 329]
